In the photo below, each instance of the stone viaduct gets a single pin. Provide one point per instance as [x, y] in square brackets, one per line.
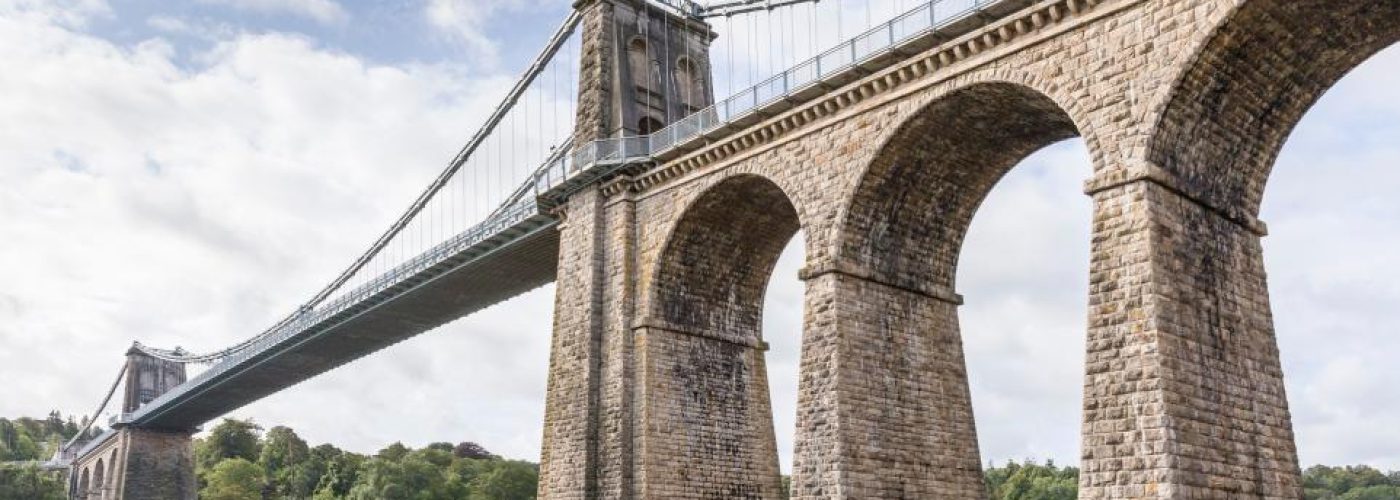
[657, 385]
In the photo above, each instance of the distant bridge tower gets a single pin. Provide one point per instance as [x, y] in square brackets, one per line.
[138, 464]
[147, 378]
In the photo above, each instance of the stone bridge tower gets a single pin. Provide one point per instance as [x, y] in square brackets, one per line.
[147, 378]
[138, 464]
[643, 66]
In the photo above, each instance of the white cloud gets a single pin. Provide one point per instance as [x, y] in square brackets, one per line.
[144, 199]
[71, 13]
[323, 11]
[148, 201]
[465, 20]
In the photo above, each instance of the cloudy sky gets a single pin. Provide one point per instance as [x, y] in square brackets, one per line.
[185, 174]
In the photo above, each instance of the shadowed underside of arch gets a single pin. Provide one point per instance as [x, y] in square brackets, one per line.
[881, 337]
[913, 207]
[702, 346]
[1199, 326]
[1249, 85]
[717, 262]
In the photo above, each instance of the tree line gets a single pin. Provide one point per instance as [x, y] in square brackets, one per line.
[1031, 481]
[29, 439]
[236, 460]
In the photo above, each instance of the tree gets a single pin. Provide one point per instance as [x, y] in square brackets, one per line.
[1031, 481]
[230, 439]
[285, 461]
[342, 472]
[282, 448]
[234, 479]
[1358, 482]
[393, 452]
[468, 449]
[30, 483]
[409, 478]
[507, 480]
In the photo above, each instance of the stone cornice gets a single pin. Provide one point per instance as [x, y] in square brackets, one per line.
[1143, 171]
[1035, 19]
[654, 323]
[935, 292]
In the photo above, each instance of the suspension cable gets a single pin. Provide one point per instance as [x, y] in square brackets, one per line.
[561, 35]
[717, 9]
[101, 406]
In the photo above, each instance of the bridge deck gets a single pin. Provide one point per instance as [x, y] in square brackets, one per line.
[508, 262]
[516, 251]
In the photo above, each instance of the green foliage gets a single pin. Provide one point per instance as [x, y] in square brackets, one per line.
[287, 461]
[234, 479]
[283, 467]
[230, 439]
[505, 480]
[468, 449]
[393, 452]
[1357, 482]
[31, 483]
[28, 439]
[1032, 481]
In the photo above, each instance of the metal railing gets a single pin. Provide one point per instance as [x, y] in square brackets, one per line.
[560, 167]
[555, 171]
[684, 7]
[910, 25]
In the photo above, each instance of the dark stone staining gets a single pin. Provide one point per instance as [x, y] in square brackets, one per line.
[716, 266]
[710, 281]
[912, 210]
[1252, 83]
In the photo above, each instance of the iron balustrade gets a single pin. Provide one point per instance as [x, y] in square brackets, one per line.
[554, 175]
[554, 172]
[913, 24]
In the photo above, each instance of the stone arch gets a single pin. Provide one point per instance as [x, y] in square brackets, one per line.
[882, 313]
[1242, 92]
[84, 483]
[1212, 145]
[703, 341]
[905, 223]
[99, 487]
[715, 264]
[111, 491]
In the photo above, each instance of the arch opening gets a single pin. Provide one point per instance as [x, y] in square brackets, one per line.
[1332, 273]
[896, 278]
[99, 487]
[1217, 140]
[84, 483]
[1249, 85]
[704, 339]
[112, 474]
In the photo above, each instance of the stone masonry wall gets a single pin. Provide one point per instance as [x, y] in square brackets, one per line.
[1183, 393]
[158, 465]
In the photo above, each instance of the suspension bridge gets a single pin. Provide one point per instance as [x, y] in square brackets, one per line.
[657, 154]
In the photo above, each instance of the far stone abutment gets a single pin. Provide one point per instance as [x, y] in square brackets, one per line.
[656, 386]
[139, 464]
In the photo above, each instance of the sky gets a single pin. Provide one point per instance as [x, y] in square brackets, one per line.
[186, 173]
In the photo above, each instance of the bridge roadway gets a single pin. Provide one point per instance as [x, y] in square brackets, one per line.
[517, 257]
[517, 249]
